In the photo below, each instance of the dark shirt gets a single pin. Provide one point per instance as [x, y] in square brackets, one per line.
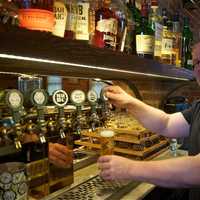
[192, 115]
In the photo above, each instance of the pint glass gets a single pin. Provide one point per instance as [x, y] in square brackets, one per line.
[107, 142]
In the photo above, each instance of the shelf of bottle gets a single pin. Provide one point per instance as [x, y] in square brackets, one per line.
[35, 52]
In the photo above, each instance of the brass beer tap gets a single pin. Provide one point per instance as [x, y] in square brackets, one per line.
[78, 98]
[94, 118]
[39, 99]
[14, 100]
[60, 99]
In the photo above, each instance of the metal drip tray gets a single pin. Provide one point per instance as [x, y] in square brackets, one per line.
[97, 189]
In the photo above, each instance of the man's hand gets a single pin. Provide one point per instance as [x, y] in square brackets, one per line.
[60, 155]
[115, 167]
[117, 96]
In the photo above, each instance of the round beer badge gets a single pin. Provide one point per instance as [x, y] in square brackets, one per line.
[60, 98]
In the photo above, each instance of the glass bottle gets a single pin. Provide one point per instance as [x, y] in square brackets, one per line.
[187, 38]
[176, 55]
[145, 35]
[120, 11]
[71, 22]
[60, 13]
[106, 26]
[167, 40]
[133, 21]
[36, 15]
[94, 6]
[82, 26]
[155, 22]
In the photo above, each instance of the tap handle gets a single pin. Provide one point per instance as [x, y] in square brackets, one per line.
[14, 100]
[77, 98]
[60, 98]
[92, 97]
[39, 98]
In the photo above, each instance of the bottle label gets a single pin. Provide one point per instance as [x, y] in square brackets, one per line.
[189, 62]
[82, 27]
[145, 44]
[60, 13]
[110, 40]
[167, 46]
[36, 19]
[107, 26]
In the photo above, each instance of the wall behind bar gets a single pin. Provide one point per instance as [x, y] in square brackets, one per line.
[154, 91]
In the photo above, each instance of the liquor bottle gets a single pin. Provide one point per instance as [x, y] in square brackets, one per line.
[36, 15]
[155, 22]
[133, 21]
[176, 54]
[167, 40]
[70, 28]
[120, 11]
[60, 13]
[82, 26]
[94, 6]
[106, 26]
[145, 35]
[187, 38]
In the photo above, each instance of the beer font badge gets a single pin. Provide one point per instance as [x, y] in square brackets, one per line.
[92, 97]
[60, 98]
[78, 97]
[14, 99]
[39, 97]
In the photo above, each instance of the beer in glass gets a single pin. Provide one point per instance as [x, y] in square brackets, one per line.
[107, 142]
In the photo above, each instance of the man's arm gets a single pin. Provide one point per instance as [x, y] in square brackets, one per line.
[170, 125]
[180, 172]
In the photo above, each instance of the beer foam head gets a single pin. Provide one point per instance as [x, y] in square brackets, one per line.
[107, 133]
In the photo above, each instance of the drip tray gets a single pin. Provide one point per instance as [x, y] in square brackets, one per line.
[97, 189]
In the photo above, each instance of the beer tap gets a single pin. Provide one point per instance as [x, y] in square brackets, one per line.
[60, 99]
[5, 139]
[51, 126]
[14, 100]
[94, 118]
[39, 99]
[104, 107]
[78, 98]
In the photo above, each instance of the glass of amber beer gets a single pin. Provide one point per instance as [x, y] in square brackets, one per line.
[107, 142]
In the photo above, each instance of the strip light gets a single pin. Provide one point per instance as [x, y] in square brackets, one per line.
[87, 66]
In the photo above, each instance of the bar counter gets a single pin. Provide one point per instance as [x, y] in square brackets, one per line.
[137, 191]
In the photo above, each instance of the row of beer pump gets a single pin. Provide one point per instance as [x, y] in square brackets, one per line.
[13, 99]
